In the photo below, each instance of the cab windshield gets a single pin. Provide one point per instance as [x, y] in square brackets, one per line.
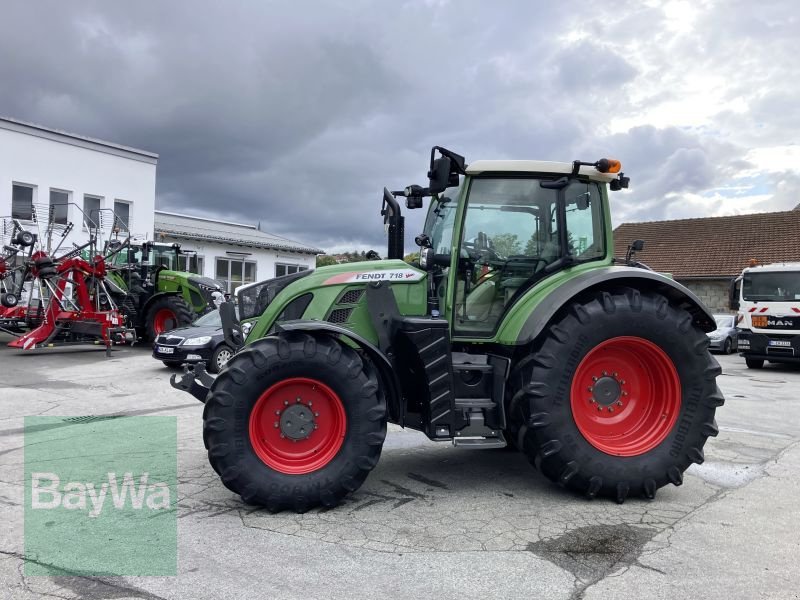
[159, 255]
[771, 286]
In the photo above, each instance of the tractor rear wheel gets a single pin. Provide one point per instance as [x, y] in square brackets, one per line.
[294, 421]
[167, 313]
[619, 398]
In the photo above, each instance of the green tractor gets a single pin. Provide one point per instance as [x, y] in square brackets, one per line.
[152, 294]
[517, 328]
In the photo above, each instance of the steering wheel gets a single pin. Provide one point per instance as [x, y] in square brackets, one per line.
[476, 254]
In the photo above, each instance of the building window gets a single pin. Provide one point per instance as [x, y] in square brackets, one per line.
[282, 269]
[191, 263]
[122, 215]
[91, 211]
[59, 206]
[234, 272]
[22, 202]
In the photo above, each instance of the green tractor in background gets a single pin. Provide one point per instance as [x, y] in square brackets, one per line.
[517, 327]
[152, 294]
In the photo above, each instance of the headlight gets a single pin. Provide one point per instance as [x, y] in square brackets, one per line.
[426, 258]
[198, 341]
[246, 327]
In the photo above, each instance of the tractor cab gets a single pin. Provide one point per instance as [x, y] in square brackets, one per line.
[503, 226]
[151, 254]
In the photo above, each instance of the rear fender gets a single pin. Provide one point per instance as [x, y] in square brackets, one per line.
[608, 278]
[391, 387]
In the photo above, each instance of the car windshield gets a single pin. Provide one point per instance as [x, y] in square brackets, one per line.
[771, 286]
[723, 321]
[211, 319]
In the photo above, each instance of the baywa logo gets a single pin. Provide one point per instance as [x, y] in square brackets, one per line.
[48, 494]
[97, 492]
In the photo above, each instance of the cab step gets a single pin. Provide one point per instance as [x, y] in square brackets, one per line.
[481, 443]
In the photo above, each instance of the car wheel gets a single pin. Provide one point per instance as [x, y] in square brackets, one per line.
[220, 358]
[728, 347]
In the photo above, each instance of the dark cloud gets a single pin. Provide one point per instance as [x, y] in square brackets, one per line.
[297, 114]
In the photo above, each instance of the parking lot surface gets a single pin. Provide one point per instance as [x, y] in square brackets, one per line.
[432, 520]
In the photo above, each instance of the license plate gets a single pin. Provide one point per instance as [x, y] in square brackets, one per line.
[760, 321]
[784, 343]
[164, 350]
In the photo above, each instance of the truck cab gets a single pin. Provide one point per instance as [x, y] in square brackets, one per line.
[767, 298]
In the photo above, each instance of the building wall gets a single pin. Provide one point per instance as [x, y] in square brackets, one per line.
[266, 260]
[48, 164]
[713, 293]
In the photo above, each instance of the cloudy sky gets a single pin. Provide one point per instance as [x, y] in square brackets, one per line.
[297, 113]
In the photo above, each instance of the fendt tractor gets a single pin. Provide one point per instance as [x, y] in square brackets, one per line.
[516, 327]
[153, 294]
[768, 300]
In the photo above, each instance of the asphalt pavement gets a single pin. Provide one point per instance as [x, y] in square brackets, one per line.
[432, 520]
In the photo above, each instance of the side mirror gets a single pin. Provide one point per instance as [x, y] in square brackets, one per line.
[231, 330]
[634, 247]
[439, 175]
[733, 294]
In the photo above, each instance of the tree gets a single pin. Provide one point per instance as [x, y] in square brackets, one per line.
[411, 258]
[324, 260]
[507, 244]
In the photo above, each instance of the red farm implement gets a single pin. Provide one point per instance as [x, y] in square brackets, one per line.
[67, 301]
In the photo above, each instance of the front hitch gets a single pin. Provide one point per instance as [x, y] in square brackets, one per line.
[194, 380]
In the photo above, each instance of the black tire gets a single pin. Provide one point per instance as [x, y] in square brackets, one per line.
[265, 363]
[172, 364]
[24, 238]
[727, 347]
[182, 312]
[754, 363]
[219, 358]
[541, 410]
[9, 299]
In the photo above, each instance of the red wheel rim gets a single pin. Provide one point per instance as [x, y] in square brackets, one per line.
[625, 396]
[164, 320]
[297, 426]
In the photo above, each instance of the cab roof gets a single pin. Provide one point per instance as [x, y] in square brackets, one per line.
[785, 266]
[534, 166]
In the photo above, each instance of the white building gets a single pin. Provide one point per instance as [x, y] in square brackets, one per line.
[233, 253]
[49, 178]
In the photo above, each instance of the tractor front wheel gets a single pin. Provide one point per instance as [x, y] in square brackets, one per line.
[167, 313]
[294, 421]
[619, 398]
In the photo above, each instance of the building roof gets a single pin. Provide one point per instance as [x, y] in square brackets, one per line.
[187, 227]
[73, 139]
[713, 246]
[534, 166]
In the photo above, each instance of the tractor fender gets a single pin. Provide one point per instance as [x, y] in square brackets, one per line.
[610, 278]
[391, 386]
